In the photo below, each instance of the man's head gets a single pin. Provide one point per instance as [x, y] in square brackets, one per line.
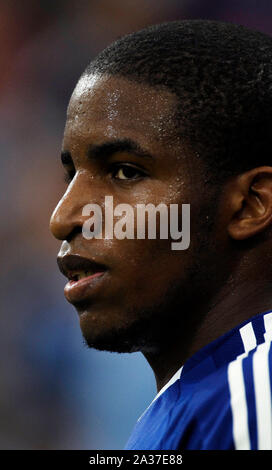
[177, 113]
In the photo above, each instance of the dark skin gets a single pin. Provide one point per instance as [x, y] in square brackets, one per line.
[166, 304]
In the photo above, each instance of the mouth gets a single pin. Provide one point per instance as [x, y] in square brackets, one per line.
[75, 277]
[84, 277]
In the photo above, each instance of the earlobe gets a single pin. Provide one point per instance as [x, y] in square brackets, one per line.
[251, 203]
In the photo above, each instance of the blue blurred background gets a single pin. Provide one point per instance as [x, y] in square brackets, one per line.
[54, 392]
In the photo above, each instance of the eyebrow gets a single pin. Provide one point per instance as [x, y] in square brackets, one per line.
[117, 145]
[108, 148]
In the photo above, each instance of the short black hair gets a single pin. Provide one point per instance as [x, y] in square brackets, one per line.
[221, 74]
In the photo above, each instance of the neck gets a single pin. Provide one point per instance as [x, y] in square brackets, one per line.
[232, 306]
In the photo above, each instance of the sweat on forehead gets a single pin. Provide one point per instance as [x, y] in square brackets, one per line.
[124, 102]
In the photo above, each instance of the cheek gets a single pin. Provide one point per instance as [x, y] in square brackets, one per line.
[145, 270]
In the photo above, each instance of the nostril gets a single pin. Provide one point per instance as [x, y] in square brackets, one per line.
[75, 231]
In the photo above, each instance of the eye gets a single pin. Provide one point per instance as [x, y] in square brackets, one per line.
[126, 172]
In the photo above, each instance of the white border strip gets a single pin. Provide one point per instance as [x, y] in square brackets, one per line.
[173, 379]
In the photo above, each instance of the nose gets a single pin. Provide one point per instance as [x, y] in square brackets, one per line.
[67, 216]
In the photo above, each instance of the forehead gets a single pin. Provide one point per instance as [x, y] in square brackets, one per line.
[114, 105]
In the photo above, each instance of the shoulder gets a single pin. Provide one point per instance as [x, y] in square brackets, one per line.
[231, 408]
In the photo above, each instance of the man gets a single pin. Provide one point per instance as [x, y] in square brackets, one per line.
[179, 113]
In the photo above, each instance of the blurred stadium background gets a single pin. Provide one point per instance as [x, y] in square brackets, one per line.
[54, 392]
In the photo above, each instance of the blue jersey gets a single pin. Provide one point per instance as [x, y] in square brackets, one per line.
[220, 399]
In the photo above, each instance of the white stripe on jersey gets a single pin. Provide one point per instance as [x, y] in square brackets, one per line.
[263, 396]
[248, 338]
[237, 390]
[268, 326]
[262, 389]
[238, 405]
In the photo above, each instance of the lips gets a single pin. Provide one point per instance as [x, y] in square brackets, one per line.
[84, 274]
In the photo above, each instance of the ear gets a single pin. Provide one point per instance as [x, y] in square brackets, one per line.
[250, 203]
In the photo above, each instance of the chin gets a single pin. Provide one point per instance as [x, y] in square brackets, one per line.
[109, 344]
[128, 339]
[131, 330]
